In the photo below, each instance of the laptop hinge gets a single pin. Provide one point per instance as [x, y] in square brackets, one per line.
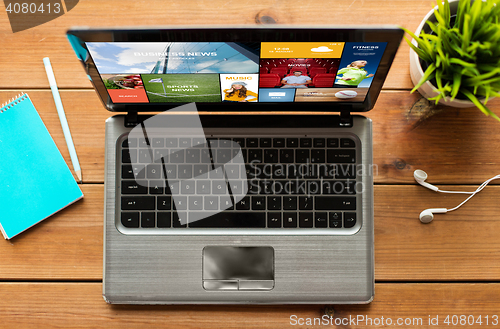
[345, 119]
[131, 119]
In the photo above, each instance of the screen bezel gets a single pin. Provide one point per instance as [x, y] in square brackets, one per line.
[391, 35]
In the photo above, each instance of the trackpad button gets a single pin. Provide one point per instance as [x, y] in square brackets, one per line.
[252, 268]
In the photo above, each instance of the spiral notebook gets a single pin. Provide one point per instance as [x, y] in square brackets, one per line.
[35, 181]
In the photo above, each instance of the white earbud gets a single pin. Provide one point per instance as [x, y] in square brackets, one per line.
[420, 177]
[427, 215]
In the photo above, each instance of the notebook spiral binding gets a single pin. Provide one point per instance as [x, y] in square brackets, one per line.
[12, 102]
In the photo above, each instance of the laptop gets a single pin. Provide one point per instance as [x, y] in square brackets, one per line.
[236, 170]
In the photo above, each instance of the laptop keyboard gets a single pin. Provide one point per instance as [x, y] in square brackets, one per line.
[291, 182]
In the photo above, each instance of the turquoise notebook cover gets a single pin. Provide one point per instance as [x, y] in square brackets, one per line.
[35, 181]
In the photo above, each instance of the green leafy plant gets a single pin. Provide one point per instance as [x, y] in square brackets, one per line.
[462, 52]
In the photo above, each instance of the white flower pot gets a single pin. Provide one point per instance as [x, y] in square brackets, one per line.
[416, 71]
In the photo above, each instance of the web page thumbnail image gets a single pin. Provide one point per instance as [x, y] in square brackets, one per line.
[331, 95]
[239, 87]
[359, 64]
[182, 88]
[298, 72]
[125, 88]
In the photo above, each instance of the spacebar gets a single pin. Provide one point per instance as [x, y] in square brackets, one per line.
[234, 219]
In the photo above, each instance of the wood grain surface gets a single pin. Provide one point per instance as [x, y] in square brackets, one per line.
[50, 276]
[80, 305]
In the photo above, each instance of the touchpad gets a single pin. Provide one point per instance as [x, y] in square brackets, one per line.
[238, 268]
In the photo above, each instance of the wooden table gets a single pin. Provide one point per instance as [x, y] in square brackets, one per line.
[51, 275]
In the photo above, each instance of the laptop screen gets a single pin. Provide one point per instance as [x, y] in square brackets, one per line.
[336, 69]
[180, 72]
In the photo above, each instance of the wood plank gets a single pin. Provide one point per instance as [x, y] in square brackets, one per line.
[71, 305]
[65, 246]
[461, 245]
[456, 146]
[21, 53]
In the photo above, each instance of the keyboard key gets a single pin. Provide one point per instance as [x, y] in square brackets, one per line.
[185, 171]
[138, 203]
[130, 142]
[225, 203]
[145, 156]
[160, 155]
[286, 156]
[188, 187]
[306, 203]
[252, 142]
[254, 156]
[219, 187]
[130, 219]
[176, 220]
[345, 171]
[180, 202]
[305, 142]
[319, 142]
[163, 203]
[258, 203]
[163, 219]
[347, 142]
[273, 203]
[156, 186]
[177, 156]
[302, 156]
[213, 142]
[199, 141]
[211, 203]
[143, 142]
[243, 204]
[320, 219]
[306, 219]
[203, 187]
[290, 219]
[290, 203]
[240, 141]
[171, 142]
[278, 142]
[158, 142]
[274, 220]
[335, 203]
[279, 171]
[236, 219]
[129, 156]
[265, 142]
[270, 156]
[292, 142]
[196, 202]
[332, 142]
[148, 219]
[341, 156]
[134, 187]
[153, 171]
[173, 187]
[193, 155]
[170, 171]
[349, 219]
[200, 171]
[127, 172]
[184, 142]
[335, 219]
[335, 215]
[318, 156]
[223, 155]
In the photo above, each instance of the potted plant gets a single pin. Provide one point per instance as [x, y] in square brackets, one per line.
[455, 54]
